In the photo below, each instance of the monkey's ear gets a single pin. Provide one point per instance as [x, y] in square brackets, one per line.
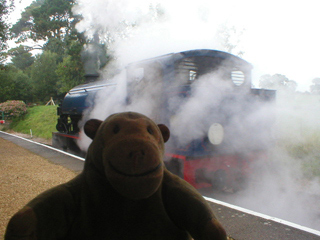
[91, 127]
[164, 131]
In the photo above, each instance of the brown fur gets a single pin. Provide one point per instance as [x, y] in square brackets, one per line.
[124, 192]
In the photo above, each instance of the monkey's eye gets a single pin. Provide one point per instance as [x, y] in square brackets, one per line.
[116, 129]
[149, 129]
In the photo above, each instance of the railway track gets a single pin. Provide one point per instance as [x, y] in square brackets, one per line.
[239, 222]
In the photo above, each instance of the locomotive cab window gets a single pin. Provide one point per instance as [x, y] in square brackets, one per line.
[186, 72]
[189, 70]
[192, 75]
[237, 77]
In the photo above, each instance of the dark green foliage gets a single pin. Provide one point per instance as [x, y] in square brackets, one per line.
[21, 57]
[22, 85]
[46, 19]
[51, 18]
[23, 29]
[61, 64]
[3, 25]
[44, 77]
[14, 84]
[70, 73]
[5, 8]
[57, 46]
[6, 84]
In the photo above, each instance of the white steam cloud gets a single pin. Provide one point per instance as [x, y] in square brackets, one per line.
[142, 29]
[158, 27]
[284, 185]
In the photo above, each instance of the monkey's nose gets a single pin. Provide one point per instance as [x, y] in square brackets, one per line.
[136, 155]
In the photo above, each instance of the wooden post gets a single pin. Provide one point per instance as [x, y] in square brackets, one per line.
[51, 102]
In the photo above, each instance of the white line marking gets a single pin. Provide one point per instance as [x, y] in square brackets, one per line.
[261, 215]
[52, 148]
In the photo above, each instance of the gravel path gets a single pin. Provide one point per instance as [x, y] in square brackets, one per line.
[23, 175]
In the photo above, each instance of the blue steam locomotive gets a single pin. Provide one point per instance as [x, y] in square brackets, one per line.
[219, 124]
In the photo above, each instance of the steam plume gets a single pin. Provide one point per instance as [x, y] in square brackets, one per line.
[143, 29]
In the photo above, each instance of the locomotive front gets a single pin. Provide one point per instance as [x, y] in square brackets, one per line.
[217, 132]
[206, 99]
[71, 110]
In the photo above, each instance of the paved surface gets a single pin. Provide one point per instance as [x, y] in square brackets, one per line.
[58, 157]
[245, 226]
[239, 223]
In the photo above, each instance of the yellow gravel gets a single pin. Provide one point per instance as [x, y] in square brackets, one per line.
[23, 175]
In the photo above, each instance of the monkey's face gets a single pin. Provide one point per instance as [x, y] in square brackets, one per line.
[132, 148]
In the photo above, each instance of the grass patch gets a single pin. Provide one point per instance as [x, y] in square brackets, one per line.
[41, 120]
[306, 152]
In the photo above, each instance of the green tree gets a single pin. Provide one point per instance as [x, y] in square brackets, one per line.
[278, 82]
[46, 19]
[44, 77]
[14, 84]
[55, 45]
[230, 38]
[74, 49]
[6, 84]
[54, 22]
[5, 8]
[315, 87]
[70, 74]
[22, 85]
[51, 21]
[21, 57]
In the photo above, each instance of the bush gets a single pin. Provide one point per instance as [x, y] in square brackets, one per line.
[13, 108]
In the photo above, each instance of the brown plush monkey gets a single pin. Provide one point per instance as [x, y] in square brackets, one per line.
[124, 192]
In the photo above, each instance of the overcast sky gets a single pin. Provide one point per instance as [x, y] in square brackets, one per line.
[281, 36]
